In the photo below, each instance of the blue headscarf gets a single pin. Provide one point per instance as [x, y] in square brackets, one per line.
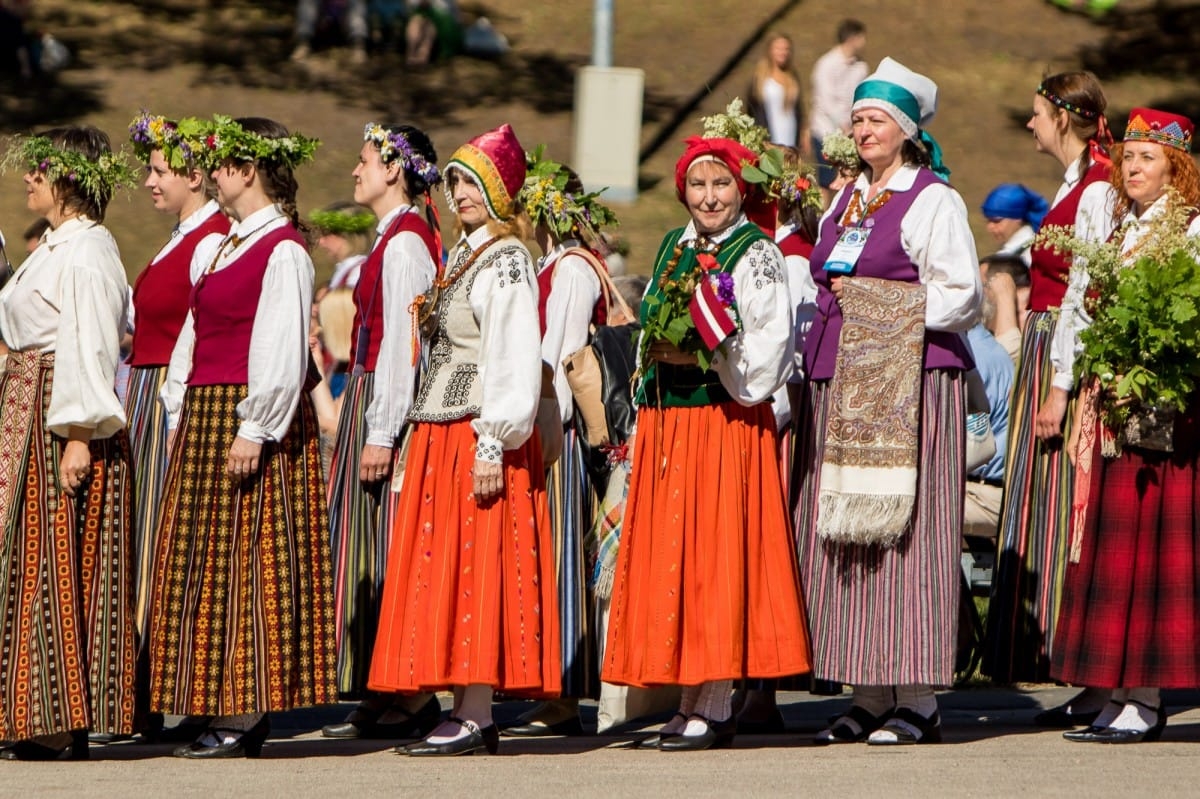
[1014, 201]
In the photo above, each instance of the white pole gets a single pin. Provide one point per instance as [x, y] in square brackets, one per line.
[602, 34]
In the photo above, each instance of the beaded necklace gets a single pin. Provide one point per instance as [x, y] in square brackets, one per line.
[424, 307]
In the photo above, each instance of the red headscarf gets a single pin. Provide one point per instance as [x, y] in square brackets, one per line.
[759, 208]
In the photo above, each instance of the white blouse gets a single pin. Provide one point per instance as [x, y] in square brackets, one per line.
[1020, 244]
[1074, 319]
[408, 272]
[504, 299]
[345, 271]
[576, 290]
[69, 297]
[758, 357]
[937, 238]
[279, 354]
[1093, 222]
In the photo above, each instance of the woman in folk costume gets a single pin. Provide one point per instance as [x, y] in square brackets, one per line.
[396, 170]
[67, 660]
[881, 469]
[567, 222]
[178, 186]
[469, 600]
[1067, 123]
[241, 614]
[1130, 619]
[706, 589]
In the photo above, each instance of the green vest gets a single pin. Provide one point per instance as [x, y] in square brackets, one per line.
[665, 385]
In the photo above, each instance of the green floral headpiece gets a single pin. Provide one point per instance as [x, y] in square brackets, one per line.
[224, 139]
[180, 141]
[547, 201]
[795, 184]
[342, 223]
[737, 125]
[97, 179]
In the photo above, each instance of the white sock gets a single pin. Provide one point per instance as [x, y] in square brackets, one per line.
[687, 703]
[1112, 708]
[918, 698]
[1140, 712]
[475, 705]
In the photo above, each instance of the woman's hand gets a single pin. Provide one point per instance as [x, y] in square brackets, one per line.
[835, 288]
[75, 467]
[665, 351]
[243, 458]
[375, 464]
[488, 479]
[1048, 422]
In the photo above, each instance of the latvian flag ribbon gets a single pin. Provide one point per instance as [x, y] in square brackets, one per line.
[714, 319]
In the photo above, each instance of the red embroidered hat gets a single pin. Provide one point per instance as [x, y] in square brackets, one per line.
[496, 162]
[734, 155]
[1161, 127]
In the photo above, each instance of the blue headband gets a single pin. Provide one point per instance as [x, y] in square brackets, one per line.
[904, 102]
[1014, 201]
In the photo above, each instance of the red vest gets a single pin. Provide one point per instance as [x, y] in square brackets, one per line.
[368, 292]
[1049, 270]
[545, 281]
[224, 305]
[161, 293]
[797, 243]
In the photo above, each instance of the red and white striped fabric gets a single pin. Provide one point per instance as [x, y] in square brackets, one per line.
[714, 320]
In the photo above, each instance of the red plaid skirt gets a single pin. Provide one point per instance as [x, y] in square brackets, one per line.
[1130, 613]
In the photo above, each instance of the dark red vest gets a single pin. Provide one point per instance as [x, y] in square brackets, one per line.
[545, 280]
[161, 294]
[368, 292]
[797, 243]
[224, 305]
[1049, 270]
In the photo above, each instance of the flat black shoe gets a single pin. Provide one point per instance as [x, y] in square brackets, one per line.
[414, 725]
[105, 738]
[536, 729]
[1061, 716]
[842, 730]
[719, 735]
[772, 725]
[73, 746]
[477, 739]
[1111, 735]
[909, 727]
[248, 744]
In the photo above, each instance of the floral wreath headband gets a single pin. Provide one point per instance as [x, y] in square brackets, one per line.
[97, 179]
[1061, 103]
[395, 146]
[221, 139]
[178, 141]
[547, 201]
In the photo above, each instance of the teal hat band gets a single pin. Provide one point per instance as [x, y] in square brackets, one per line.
[898, 96]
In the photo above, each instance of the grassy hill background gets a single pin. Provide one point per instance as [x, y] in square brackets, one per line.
[180, 57]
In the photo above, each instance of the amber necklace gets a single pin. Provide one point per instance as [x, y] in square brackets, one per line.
[424, 305]
[855, 213]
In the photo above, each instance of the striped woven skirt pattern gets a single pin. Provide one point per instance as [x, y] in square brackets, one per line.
[241, 614]
[469, 597]
[888, 616]
[571, 499]
[148, 449]
[358, 530]
[706, 586]
[1034, 524]
[67, 657]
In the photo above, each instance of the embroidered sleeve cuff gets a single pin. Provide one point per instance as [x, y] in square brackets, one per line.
[489, 450]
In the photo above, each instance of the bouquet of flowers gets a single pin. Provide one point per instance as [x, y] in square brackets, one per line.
[1143, 346]
[840, 151]
[792, 183]
[695, 311]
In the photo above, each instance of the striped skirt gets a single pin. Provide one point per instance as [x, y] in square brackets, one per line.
[148, 450]
[888, 616]
[67, 657]
[571, 499]
[1131, 605]
[706, 586]
[469, 595]
[1034, 520]
[241, 612]
[358, 530]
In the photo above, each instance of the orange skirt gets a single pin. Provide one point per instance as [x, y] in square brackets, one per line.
[707, 585]
[468, 595]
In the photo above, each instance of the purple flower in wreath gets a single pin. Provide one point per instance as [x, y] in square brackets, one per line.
[725, 288]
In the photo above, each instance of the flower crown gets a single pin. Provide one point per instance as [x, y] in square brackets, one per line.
[393, 145]
[342, 223]
[96, 179]
[794, 184]
[735, 124]
[547, 201]
[178, 141]
[222, 138]
[840, 151]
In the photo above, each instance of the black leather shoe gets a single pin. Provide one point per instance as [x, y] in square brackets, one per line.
[1061, 716]
[772, 725]
[249, 744]
[414, 725]
[1111, 735]
[105, 738]
[909, 727]
[719, 735]
[59, 746]
[476, 740]
[536, 729]
[851, 727]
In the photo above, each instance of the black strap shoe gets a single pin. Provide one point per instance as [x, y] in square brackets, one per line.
[477, 739]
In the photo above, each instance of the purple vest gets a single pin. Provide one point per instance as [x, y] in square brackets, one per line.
[882, 257]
